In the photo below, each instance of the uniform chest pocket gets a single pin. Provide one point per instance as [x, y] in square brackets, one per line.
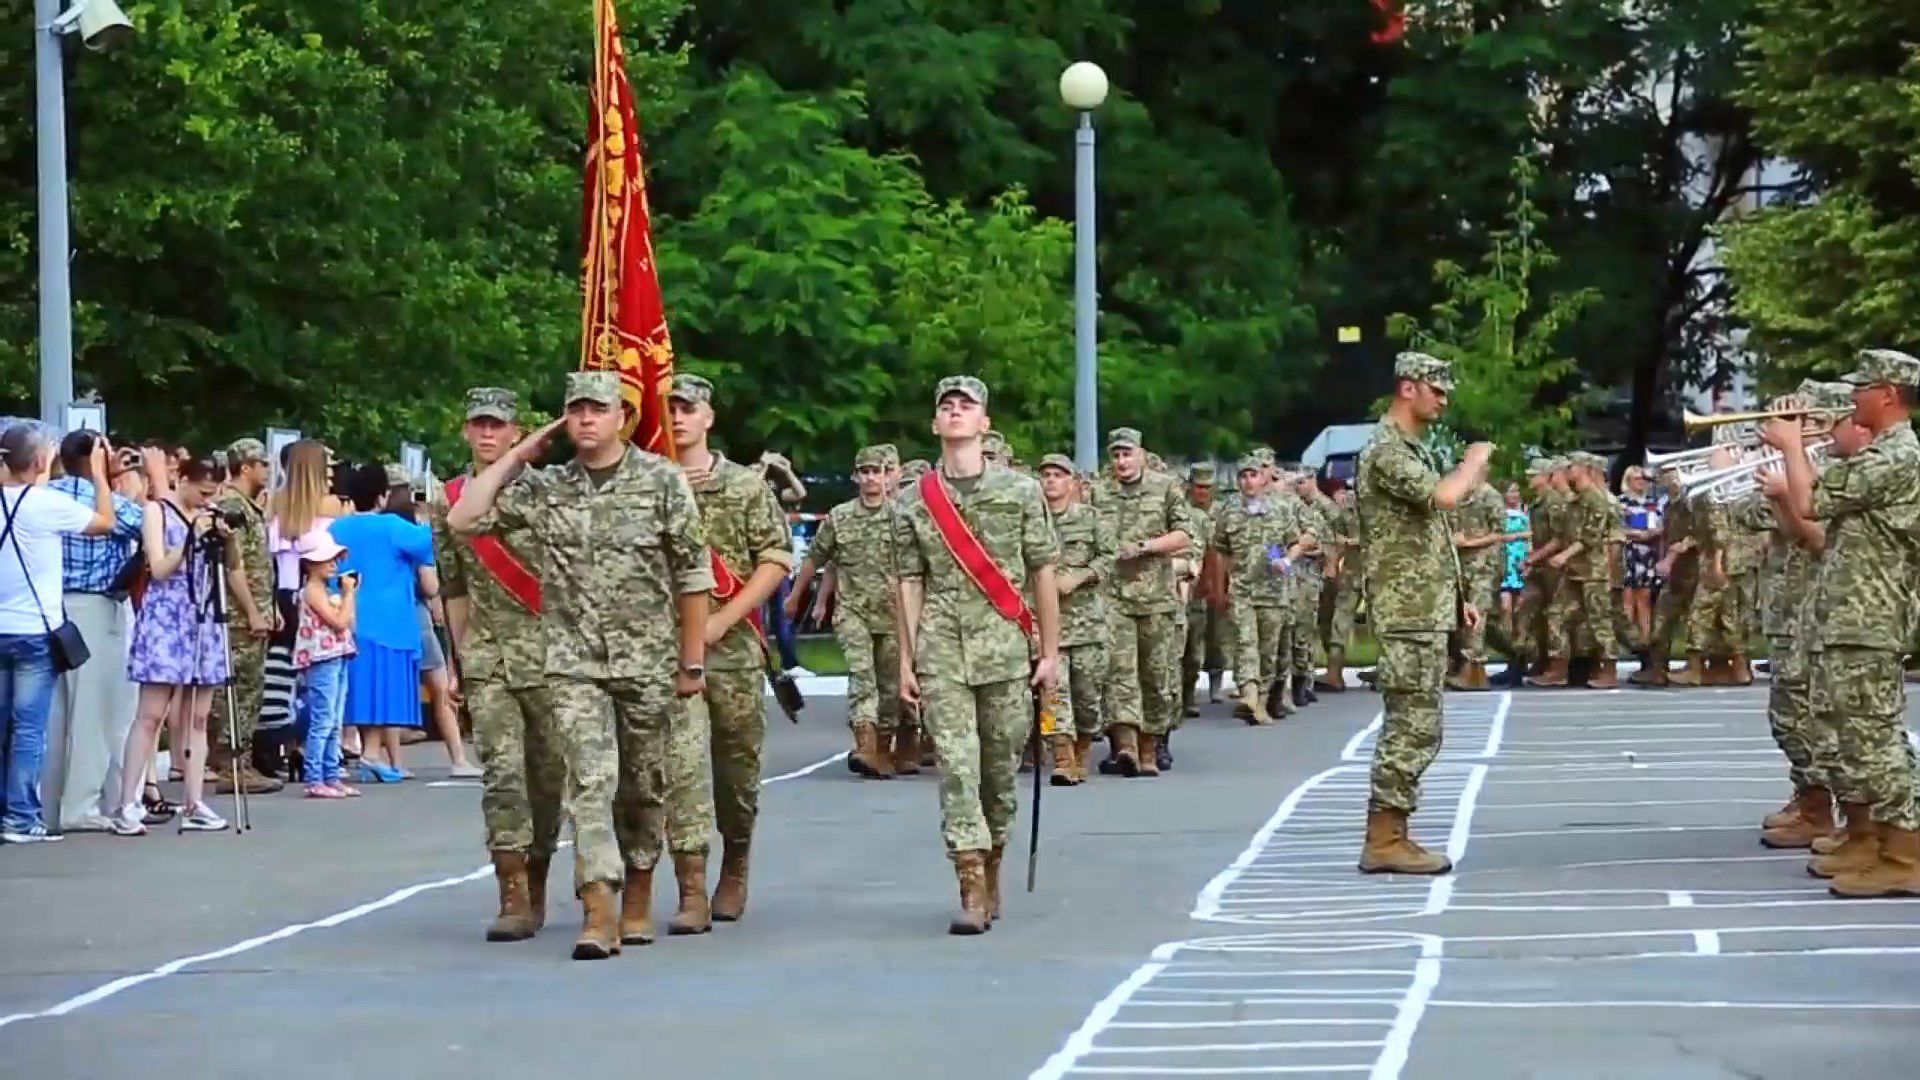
[562, 521]
[1077, 551]
[633, 527]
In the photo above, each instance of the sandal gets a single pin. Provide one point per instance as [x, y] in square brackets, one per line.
[158, 809]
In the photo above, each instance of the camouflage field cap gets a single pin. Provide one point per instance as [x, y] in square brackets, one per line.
[965, 385]
[1539, 466]
[492, 403]
[1263, 454]
[994, 443]
[914, 470]
[397, 475]
[878, 457]
[246, 452]
[1553, 465]
[1424, 367]
[1123, 438]
[1157, 464]
[891, 453]
[1201, 474]
[1824, 395]
[1058, 461]
[597, 386]
[691, 389]
[1876, 366]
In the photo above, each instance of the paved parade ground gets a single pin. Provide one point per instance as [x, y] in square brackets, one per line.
[1613, 916]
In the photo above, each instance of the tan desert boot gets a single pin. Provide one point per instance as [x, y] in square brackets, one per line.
[1811, 820]
[1553, 677]
[906, 750]
[537, 888]
[970, 867]
[1653, 672]
[730, 896]
[1065, 757]
[1126, 748]
[1082, 753]
[1388, 849]
[1788, 813]
[994, 855]
[1896, 873]
[599, 926]
[515, 920]
[694, 916]
[1255, 704]
[1859, 851]
[1606, 674]
[1148, 761]
[636, 908]
[1694, 674]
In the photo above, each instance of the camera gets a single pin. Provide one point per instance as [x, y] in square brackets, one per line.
[235, 519]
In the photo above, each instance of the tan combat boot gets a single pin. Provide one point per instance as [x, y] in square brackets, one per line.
[694, 916]
[1126, 749]
[1830, 843]
[1606, 674]
[994, 855]
[599, 926]
[1064, 759]
[515, 920]
[1859, 851]
[1653, 672]
[1553, 677]
[1739, 672]
[906, 750]
[730, 896]
[1896, 873]
[1082, 752]
[1812, 818]
[970, 867]
[636, 908]
[1788, 813]
[1388, 849]
[866, 751]
[1694, 674]
[537, 889]
[1255, 704]
[1149, 764]
[1714, 672]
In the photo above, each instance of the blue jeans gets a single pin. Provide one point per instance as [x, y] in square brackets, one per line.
[26, 697]
[784, 630]
[323, 698]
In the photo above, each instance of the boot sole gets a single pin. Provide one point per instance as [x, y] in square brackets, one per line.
[593, 950]
[636, 939]
[967, 929]
[1126, 766]
[1384, 869]
[1061, 780]
[495, 935]
[688, 931]
[1786, 843]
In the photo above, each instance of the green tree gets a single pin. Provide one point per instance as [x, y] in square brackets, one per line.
[1499, 328]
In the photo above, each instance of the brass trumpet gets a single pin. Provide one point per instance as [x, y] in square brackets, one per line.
[1695, 422]
[1742, 477]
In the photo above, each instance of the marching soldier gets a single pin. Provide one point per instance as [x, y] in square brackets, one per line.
[1529, 633]
[1559, 524]
[856, 541]
[1205, 645]
[1086, 563]
[1315, 510]
[973, 542]
[752, 552]
[624, 576]
[1717, 621]
[1865, 512]
[1145, 511]
[1680, 568]
[1259, 541]
[1582, 599]
[492, 591]
[1413, 592]
[1479, 531]
[1343, 575]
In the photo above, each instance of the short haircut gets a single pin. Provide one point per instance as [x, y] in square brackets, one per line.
[203, 469]
[75, 449]
[367, 487]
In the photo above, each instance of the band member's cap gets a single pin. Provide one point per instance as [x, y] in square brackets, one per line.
[1424, 367]
[602, 387]
[492, 403]
[1252, 462]
[965, 385]
[1878, 366]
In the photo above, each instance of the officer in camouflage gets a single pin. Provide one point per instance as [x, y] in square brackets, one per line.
[1413, 592]
[856, 541]
[1581, 601]
[1479, 529]
[964, 665]
[249, 619]
[624, 574]
[503, 679]
[1148, 518]
[1866, 508]
[752, 552]
[1086, 565]
[1344, 562]
[1205, 645]
[1259, 540]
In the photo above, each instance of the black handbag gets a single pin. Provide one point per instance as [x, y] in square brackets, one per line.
[65, 642]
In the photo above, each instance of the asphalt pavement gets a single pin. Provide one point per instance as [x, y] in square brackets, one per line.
[1613, 915]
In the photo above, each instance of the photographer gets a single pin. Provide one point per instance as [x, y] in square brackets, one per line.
[179, 650]
[36, 519]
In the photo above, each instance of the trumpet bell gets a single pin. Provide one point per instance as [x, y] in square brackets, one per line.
[1694, 422]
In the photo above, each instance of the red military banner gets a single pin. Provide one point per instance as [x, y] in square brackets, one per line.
[623, 321]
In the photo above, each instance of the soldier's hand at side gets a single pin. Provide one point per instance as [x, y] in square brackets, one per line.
[1470, 617]
[686, 684]
[1045, 671]
[258, 625]
[792, 606]
[909, 688]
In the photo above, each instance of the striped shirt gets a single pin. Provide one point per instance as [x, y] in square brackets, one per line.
[94, 563]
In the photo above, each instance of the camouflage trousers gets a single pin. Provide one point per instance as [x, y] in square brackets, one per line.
[1480, 593]
[1597, 616]
[1143, 685]
[873, 670]
[1808, 745]
[1263, 632]
[1717, 624]
[1675, 606]
[724, 730]
[522, 770]
[978, 733]
[246, 689]
[1412, 669]
[1340, 617]
[613, 741]
[1207, 641]
[1562, 616]
[1530, 632]
[1082, 688]
[1306, 615]
[1861, 695]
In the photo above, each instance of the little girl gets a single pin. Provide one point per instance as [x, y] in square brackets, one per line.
[322, 644]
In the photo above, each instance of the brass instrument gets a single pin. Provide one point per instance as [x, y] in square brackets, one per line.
[1681, 459]
[1740, 478]
[1695, 422]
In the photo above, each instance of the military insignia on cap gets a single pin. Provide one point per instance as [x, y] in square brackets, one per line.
[1876, 366]
[965, 385]
[691, 388]
[1123, 438]
[1424, 367]
[492, 402]
[598, 386]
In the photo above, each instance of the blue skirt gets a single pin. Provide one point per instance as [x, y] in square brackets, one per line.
[383, 687]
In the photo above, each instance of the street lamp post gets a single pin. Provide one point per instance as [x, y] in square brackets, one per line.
[1083, 86]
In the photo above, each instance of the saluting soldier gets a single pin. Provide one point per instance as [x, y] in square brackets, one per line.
[1087, 550]
[1148, 519]
[492, 591]
[974, 541]
[624, 577]
[752, 551]
[1414, 594]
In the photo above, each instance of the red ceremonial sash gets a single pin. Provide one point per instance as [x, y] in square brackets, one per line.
[971, 554]
[509, 571]
[726, 583]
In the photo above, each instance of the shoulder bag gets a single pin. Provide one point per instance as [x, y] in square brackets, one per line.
[68, 647]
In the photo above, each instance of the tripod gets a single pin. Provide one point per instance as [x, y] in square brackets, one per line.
[212, 547]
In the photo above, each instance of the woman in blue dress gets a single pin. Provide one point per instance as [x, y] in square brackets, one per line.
[1519, 533]
[383, 680]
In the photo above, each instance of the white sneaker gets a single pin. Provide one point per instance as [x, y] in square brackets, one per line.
[464, 772]
[35, 834]
[201, 818]
[92, 823]
[130, 820]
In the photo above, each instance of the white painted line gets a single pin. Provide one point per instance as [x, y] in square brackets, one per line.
[1618, 805]
[1208, 902]
[452, 783]
[1794, 1005]
[1679, 899]
[1706, 943]
[1351, 751]
[1080, 1043]
[1426, 976]
[1583, 831]
[1195, 1070]
[1499, 725]
[1235, 1048]
[338, 918]
[1180, 1025]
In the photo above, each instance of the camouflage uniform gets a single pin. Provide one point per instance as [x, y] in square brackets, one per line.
[1412, 592]
[1345, 527]
[1529, 623]
[1597, 522]
[1205, 641]
[1484, 513]
[1145, 658]
[1264, 598]
[1715, 625]
[745, 526]
[1086, 544]
[973, 663]
[1563, 597]
[1314, 511]
[502, 658]
[614, 557]
[249, 652]
[857, 541]
[1675, 606]
[1810, 748]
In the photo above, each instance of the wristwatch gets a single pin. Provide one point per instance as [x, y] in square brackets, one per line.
[698, 671]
